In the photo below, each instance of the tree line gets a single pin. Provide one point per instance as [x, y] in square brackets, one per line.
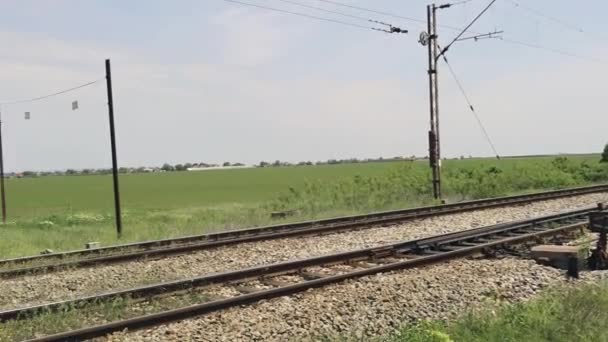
[166, 167]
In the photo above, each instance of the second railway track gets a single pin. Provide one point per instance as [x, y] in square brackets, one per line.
[169, 247]
[295, 276]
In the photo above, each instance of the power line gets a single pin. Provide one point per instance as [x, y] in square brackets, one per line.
[466, 28]
[553, 50]
[300, 14]
[466, 97]
[373, 11]
[325, 10]
[34, 99]
[525, 44]
[548, 17]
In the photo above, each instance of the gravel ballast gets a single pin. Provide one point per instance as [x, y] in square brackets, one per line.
[365, 307]
[70, 284]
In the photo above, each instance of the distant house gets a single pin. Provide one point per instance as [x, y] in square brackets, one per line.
[218, 168]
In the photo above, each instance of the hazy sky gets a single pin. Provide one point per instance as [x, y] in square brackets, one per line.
[215, 81]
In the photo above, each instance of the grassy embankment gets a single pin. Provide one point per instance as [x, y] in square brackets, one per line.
[62, 213]
[561, 315]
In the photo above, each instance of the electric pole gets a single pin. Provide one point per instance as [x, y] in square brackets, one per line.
[2, 191]
[429, 39]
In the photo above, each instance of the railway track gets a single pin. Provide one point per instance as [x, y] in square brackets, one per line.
[271, 281]
[169, 247]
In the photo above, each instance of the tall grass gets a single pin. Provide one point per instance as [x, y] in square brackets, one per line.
[408, 184]
[566, 314]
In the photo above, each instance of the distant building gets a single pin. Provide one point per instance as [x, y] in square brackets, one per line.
[218, 168]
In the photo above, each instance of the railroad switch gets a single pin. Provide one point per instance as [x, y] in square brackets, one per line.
[598, 223]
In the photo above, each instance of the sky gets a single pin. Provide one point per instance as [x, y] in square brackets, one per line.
[214, 81]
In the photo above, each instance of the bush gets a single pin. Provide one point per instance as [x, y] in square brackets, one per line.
[408, 185]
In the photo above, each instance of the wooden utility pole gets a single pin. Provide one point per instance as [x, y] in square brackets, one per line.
[113, 146]
[2, 191]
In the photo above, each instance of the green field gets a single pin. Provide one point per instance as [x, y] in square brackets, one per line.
[172, 190]
[64, 212]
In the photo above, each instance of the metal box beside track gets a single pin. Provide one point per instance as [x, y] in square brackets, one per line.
[598, 221]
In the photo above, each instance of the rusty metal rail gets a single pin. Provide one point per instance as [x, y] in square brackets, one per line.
[167, 247]
[396, 256]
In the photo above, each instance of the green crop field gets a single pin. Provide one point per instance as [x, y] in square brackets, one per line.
[171, 190]
[64, 212]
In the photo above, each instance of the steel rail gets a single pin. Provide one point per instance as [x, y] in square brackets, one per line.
[208, 307]
[166, 247]
[417, 252]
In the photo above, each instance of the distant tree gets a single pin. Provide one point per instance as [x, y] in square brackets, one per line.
[263, 164]
[238, 164]
[188, 165]
[140, 169]
[29, 174]
[123, 170]
[70, 172]
[167, 167]
[86, 172]
[276, 163]
[226, 164]
[180, 167]
[605, 154]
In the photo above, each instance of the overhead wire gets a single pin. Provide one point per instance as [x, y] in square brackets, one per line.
[553, 50]
[34, 99]
[568, 25]
[444, 50]
[300, 14]
[454, 28]
[325, 10]
[374, 11]
[468, 100]
[546, 16]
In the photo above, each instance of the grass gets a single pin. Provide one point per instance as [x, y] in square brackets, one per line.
[172, 190]
[567, 314]
[71, 318]
[62, 213]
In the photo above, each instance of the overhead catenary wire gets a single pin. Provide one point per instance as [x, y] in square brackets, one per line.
[468, 100]
[34, 99]
[374, 11]
[553, 50]
[335, 21]
[326, 10]
[565, 24]
[546, 16]
[513, 41]
[444, 50]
